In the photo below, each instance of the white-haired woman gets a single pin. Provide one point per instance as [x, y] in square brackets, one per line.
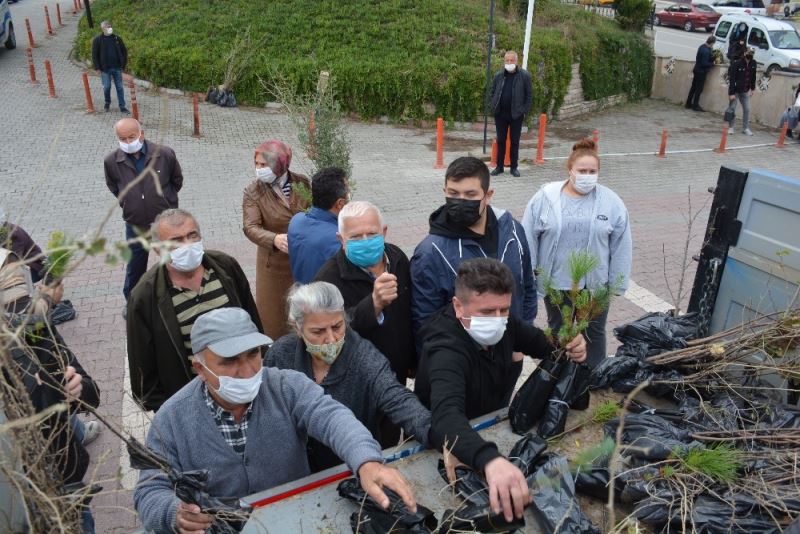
[349, 368]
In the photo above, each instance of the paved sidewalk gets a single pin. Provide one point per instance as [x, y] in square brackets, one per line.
[51, 178]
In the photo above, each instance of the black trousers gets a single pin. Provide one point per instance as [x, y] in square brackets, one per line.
[502, 123]
[696, 90]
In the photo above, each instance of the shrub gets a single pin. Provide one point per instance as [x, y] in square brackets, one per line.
[632, 14]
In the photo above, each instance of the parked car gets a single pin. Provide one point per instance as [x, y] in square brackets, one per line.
[604, 3]
[752, 7]
[7, 36]
[776, 43]
[687, 16]
[789, 7]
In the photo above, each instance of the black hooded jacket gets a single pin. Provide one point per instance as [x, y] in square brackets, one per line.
[460, 380]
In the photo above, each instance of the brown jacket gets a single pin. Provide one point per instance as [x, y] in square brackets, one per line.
[143, 202]
[265, 215]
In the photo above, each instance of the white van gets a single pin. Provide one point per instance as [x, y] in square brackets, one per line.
[725, 7]
[777, 43]
[7, 36]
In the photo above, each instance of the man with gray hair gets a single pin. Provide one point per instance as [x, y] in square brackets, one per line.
[188, 282]
[140, 197]
[247, 426]
[109, 57]
[511, 98]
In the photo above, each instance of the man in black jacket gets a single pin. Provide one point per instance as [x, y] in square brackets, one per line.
[702, 65]
[468, 368]
[167, 301]
[511, 100]
[109, 57]
[741, 85]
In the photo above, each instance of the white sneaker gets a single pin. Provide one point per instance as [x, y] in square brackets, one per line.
[730, 131]
[92, 430]
[747, 132]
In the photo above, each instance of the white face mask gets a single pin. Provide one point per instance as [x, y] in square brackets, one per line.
[238, 390]
[487, 331]
[109, 31]
[510, 67]
[188, 257]
[266, 175]
[131, 148]
[585, 183]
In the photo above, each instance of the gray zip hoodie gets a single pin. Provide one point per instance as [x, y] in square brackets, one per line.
[609, 234]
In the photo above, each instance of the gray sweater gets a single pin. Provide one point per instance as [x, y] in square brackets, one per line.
[362, 380]
[289, 407]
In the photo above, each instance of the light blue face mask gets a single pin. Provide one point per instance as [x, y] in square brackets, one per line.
[365, 252]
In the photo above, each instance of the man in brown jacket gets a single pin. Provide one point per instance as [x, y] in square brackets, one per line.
[140, 199]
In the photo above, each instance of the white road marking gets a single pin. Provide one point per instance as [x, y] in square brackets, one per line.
[645, 299]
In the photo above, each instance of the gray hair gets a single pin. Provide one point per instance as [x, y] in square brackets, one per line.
[105, 24]
[513, 53]
[173, 217]
[358, 208]
[316, 297]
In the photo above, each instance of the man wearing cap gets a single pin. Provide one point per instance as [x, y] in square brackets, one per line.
[248, 426]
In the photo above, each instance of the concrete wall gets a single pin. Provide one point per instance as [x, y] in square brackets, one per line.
[673, 78]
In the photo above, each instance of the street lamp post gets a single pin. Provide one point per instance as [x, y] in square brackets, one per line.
[490, 45]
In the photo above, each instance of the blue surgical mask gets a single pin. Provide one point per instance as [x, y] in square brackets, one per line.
[365, 252]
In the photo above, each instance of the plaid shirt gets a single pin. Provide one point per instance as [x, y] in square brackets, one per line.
[235, 434]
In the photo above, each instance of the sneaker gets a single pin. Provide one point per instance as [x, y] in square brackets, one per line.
[747, 131]
[106, 107]
[515, 173]
[92, 430]
[496, 171]
[730, 131]
[125, 111]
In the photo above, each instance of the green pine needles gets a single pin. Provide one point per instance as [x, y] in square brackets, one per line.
[59, 254]
[720, 463]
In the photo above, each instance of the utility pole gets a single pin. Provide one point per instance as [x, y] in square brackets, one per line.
[528, 29]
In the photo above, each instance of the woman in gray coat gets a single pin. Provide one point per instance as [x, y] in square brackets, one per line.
[349, 368]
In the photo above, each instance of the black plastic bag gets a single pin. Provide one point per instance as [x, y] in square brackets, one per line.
[531, 399]
[475, 518]
[554, 503]
[655, 333]
[397, 514]
[370, 522]
[221, 97]
[655, 438]
[469, 485]
[572, 383]
[526, 452]
[613, 370]
[594, 483]
[664, 383]
[62, 312]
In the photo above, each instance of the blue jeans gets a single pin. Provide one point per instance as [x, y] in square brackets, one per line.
[87, 520]
[78, 427]
[744, 98]
[138, 263]
[106, 77]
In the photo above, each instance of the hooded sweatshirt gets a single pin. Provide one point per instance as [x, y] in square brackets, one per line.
[435, 262]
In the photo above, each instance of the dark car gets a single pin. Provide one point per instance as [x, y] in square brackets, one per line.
[688, 16]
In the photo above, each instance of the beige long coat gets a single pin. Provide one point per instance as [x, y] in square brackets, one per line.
[265, 214]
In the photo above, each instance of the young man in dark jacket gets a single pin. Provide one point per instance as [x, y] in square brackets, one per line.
[469, 367]
[702, 65]
[466, 227]
[109, 57]
[167, 301]
[511, 96]
[741, 85]
[143, 201]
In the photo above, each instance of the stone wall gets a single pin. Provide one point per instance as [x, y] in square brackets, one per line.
[574, 105]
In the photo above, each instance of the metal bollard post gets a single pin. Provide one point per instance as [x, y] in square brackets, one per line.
[50, 83]
[31, 66]
[87, 91]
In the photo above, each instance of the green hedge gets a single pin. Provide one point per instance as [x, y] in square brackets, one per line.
[393, 57]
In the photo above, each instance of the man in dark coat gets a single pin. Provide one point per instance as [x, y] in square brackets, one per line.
[702, 65]
[741, 86]
[141, 202]
[18, 241]
[511, 101]
[109, 57]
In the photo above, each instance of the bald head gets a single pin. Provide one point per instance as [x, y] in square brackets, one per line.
[128, 130]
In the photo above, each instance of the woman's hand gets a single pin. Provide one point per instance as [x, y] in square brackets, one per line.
[281, 242]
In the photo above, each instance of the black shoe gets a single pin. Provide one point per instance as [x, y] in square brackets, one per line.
[698, 108]
[107, 106]
[789, 134]
[124, 111]
[515, 173]
[496, 171]
[687, 106]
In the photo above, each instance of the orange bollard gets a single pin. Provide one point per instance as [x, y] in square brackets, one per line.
[439, 144]
[134, 104]
[507, 161]
[723, 141]
[87, 91]
[50, 83]
[312, 133]
[540, 141]
[47, 21]
[30, 34]
[662, 150]
[58, 16]
[596, 139]
[493, 162]
[31, 67]
[782, 136]
[196, 112]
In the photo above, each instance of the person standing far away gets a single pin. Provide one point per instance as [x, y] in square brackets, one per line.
[741, 85]
[109, 57]
[141, 200]
[702, 65]
[511, 101]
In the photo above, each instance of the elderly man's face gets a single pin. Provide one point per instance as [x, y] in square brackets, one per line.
[511, 59]
[243, 365]
[363, 227]
[323, 328]
[182, 234]
[129, 130]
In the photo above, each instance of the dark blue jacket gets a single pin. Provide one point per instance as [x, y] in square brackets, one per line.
[704, 60]
[436, 259]
[312, 242]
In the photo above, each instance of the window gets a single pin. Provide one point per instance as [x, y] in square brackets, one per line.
[757, 39]
[704, 8]
[757, 4]
[722, 29]
[785, 39]
[686, 9]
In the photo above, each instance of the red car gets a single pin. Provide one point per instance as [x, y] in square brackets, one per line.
[688, 16]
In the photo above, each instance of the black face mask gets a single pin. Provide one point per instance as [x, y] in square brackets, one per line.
[462, 212]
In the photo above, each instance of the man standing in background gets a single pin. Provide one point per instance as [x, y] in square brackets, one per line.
[511, 101]
[109, 57]
[702, 65]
